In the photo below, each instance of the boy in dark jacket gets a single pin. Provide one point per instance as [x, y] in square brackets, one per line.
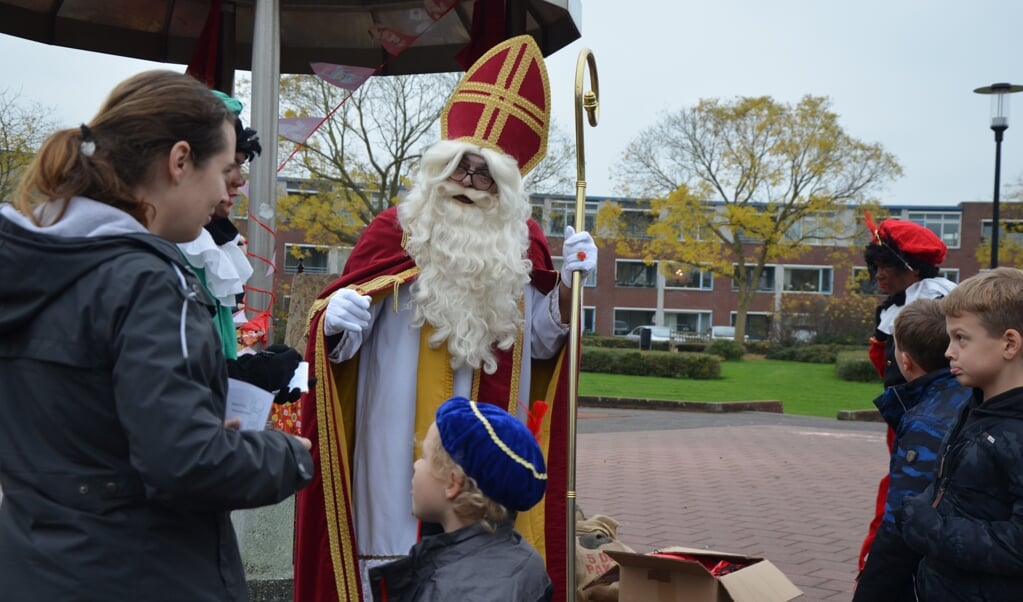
[920, 413]
[479, 464]
[968, 524]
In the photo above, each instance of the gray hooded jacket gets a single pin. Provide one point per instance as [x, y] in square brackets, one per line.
[117, 472]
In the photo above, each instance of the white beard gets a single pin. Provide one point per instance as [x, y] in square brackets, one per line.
[473, 270]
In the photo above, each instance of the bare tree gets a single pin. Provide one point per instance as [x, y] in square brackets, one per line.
[361, 157]
[23, 127]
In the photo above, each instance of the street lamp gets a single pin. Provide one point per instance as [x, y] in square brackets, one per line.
[999, 123]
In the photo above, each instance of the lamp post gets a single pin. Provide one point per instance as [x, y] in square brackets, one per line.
[999, 123]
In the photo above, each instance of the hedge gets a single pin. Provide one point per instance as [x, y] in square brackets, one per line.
[699, 366]
[855, 366]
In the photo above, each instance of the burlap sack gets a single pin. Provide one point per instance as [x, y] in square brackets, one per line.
[592, 537]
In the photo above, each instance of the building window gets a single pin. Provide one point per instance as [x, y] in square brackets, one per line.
[636, 224]
[949, 273]
[816, 229]
[635, 274]
[1011, 230]
[591, 278]
[863, 283]
[538, 215]
[766, 282]
[688, 324]
[589, 319]
[758, 325]
[690, 277]
[748, 238]
[240, 209]
[312, 258]
[945, 224]
[807, 280]
[625, 320]
[563, 214]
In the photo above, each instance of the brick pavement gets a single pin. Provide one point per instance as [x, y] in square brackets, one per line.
[798, 491]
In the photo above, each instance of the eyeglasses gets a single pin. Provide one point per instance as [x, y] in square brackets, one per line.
[480, 180]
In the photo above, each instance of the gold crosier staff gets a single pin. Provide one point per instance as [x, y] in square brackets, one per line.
[587, 101]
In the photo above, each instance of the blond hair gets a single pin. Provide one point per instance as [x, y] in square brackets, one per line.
[471, 504]
[920, 333]
[995, 297]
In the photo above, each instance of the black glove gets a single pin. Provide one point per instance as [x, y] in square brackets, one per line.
[270, 370]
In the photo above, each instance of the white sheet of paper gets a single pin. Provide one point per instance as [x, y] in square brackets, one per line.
[248, 403]
[300, 379]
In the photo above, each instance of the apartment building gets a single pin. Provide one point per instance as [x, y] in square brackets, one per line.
[624, 292]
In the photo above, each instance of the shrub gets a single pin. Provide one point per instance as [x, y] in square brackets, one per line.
[650, 363]
[729, 350]
[759, 347]
[814, 354]
[855, 366]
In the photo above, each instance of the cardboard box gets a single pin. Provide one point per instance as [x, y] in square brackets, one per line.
[645, 578]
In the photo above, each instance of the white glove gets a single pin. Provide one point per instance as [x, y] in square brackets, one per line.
[347, 310]
[579, 253]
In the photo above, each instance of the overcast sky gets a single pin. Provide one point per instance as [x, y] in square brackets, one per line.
[899, 72]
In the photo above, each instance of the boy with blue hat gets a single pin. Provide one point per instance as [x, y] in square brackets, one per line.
[479, 465]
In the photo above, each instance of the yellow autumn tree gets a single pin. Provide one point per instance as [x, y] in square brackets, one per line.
[1010, 234]
[737, 185]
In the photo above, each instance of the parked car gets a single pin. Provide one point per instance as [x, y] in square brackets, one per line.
[657, 333]
[724, 333]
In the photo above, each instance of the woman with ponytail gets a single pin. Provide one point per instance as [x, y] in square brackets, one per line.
[117, 471]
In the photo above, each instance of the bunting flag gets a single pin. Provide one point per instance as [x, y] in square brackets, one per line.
[438, 8]
[298, 129]
[342, 76]
[393, 41]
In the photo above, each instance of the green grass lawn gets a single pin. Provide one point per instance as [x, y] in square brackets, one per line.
[805, 389]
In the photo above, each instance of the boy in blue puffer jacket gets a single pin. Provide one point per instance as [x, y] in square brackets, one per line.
[968, 524]
[920, 412]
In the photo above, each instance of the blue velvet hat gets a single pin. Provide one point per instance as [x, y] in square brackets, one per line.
[494, 448]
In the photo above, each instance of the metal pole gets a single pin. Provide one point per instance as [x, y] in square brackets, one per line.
[999, 131]
[587, 102]
[266, 72]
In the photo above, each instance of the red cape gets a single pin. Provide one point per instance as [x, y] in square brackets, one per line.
[326, 568]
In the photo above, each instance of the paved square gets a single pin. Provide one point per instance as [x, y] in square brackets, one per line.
[796, 490]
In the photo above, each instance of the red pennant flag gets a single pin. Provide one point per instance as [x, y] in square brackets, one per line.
[298, 129]
[342, 76]
[438, 8]
[393, 41]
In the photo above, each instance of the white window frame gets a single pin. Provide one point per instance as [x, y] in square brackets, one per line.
[772, 268]
[291, 263]
[706, 279]
[947, 225]
[591, 278]
[652, 285]
[949, 273]
[830, 280]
